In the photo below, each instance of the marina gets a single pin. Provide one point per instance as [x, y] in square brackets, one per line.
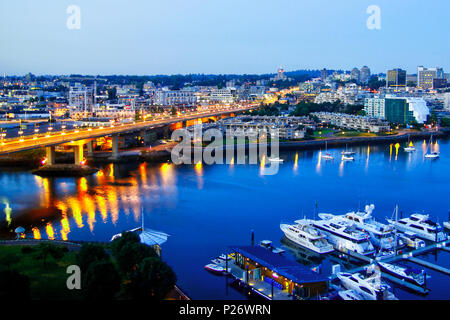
[96, 208]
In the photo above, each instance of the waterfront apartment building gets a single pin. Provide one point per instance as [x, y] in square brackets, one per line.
[347, 121]
[288, 128]
[396, 79]
[81, 97]
[221, 96]
[447, 101]
[168, 98]
[402, 110]
[425, 77]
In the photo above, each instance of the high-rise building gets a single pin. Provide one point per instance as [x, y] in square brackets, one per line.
[355, 74]
[280, 75]
[447, 101]
[365, 74]
[396, 78]
[397, 109]
[324, 74]
[425, 76]
[81, 97]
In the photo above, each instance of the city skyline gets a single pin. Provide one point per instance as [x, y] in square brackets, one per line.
[237, 38]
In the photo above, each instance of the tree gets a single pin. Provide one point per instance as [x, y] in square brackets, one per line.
[153, 279]
[9, 259]
[47, 249]
[14, 285]
[129, 251]
[445, 122]
[90, 253]
[101, 281]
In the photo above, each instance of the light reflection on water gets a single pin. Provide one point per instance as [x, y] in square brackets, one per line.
[211, 207]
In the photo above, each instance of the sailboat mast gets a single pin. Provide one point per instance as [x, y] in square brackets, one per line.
[395, 230]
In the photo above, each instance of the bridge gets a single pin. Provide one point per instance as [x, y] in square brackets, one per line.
[79, 137]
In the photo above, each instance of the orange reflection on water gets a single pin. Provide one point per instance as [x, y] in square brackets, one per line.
[74, 204]
[82, 185]
[101, 203]
[390, 152]
[36, 233]
[397, 146]
[143, 173]
[50, 232]
[296, 162]
[113, 204]
[318, 166]
[436, 147]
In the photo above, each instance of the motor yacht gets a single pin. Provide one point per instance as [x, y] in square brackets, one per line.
[304, 234]
[344, 236]
[371, 288]
[422, 226]
[411, 275]
[381, 235]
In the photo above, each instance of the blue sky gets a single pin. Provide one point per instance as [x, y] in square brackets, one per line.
[209, 36]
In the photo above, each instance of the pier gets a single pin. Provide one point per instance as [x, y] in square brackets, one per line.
[408, 256]
[429, 265]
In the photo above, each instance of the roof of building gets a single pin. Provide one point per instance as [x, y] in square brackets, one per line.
[280, 264]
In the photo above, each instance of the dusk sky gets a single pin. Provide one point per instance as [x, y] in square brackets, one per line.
[208, 36]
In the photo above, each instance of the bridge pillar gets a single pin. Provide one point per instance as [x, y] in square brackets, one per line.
[78, 153]
[115, 146]
[146, 136]
[50, 154]
[90, 148]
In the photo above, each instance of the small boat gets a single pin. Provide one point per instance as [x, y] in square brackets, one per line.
[224, 257]
[214, 268]
[410, 147]
[347, 152]
[408, 274]
[275, 159]
[327, 155]
[432, 154]
[447, 225]
[350, 295]
[216, 261]
[347, 158]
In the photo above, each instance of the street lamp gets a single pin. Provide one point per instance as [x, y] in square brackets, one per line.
[3, 135]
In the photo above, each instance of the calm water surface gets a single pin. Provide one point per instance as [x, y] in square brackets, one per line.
[207, 208]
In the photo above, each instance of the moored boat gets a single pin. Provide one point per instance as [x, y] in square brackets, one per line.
[304, 234]
[214, 268]
[408, 274]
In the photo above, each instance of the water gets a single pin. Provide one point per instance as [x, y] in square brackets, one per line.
[207, 208]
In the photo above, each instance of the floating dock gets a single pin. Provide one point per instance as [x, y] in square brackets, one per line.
[430, 265]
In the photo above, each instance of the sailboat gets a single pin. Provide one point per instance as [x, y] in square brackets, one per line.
[147, 236]
[410, 147]
[347, 152]
[431, 154]
[327, 155]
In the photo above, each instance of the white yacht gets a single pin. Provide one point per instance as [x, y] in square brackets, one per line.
[347, 152]
[412, 275]
[371, 288]
[410, 147]
[422, 226]
[347, 158]
[381, 235]
[275, 159]
[350, 295]
[327, 155]
[431, 154]
[345, 236]
[306, 235]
